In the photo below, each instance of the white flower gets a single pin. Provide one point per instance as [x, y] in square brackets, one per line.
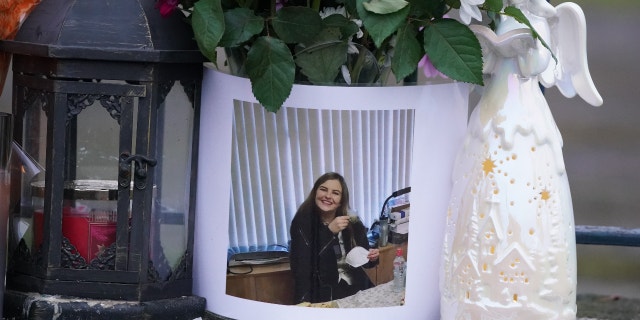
[352, 49]
[469, 9]
[358, 22]
[327, 11]
[346, 75]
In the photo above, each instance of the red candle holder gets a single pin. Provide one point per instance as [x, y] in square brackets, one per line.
[89, 217]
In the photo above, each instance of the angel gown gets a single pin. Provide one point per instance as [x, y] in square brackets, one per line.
[509, 247]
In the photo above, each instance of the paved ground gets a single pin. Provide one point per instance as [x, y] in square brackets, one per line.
[602, 145]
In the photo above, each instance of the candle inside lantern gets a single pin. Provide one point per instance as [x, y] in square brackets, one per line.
[89, 216]
[90, 231]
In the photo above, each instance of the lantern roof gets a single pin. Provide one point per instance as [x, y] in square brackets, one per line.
[118, 30]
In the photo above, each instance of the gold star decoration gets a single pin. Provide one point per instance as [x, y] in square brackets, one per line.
[488, 165]
[545, 195]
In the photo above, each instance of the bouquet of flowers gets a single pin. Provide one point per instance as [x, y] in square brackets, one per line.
[349, 42]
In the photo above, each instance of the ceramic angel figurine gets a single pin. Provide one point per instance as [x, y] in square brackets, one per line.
[509, 249]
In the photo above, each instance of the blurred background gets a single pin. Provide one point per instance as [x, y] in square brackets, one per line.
[601, 145]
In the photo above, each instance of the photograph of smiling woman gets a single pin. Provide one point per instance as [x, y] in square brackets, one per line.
[325, 164]
[322, 233]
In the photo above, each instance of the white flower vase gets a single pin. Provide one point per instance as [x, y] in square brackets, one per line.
[509, 249]
[440, 115]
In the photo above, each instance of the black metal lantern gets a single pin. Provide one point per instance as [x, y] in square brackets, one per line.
[105, 104]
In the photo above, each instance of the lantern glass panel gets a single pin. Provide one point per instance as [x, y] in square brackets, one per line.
[97, 151]
[95, 136]
[169, 230]
[29, 157]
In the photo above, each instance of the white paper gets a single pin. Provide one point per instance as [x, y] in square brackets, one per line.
[440, 124]
[357, 257]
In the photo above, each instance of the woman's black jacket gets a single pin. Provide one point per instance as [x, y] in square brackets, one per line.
[313, 257]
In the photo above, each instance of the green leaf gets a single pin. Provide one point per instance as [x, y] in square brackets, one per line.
[321, 61]
[240, 25]
[347, 27]
[455, 4]
[381, 26]
[454, 50]
[428, 9]
[520, 17]
[407, 52]
[271, 70]
[207, 22]
[493, 5]
[350, 5]
[384, 6]
[297, 24]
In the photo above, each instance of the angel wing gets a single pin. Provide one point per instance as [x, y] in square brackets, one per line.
[569, 43]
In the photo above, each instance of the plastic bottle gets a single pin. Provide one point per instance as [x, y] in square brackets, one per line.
[399, 271]
[384, 232]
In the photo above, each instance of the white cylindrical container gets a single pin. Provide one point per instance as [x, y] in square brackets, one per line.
[440, 115]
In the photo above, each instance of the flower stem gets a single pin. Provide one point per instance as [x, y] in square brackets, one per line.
[357, 67]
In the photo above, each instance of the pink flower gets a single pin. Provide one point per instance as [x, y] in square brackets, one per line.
[166, 6]
[428, 69]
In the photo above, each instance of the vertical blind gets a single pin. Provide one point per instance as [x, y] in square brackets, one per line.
[277, 157]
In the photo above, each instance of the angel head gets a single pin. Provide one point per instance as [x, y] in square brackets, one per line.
[561, 62]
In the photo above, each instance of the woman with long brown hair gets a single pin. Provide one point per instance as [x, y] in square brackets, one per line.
[322, 233]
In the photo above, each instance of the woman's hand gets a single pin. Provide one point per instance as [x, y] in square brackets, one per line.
[338, 224]
[373, 255]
